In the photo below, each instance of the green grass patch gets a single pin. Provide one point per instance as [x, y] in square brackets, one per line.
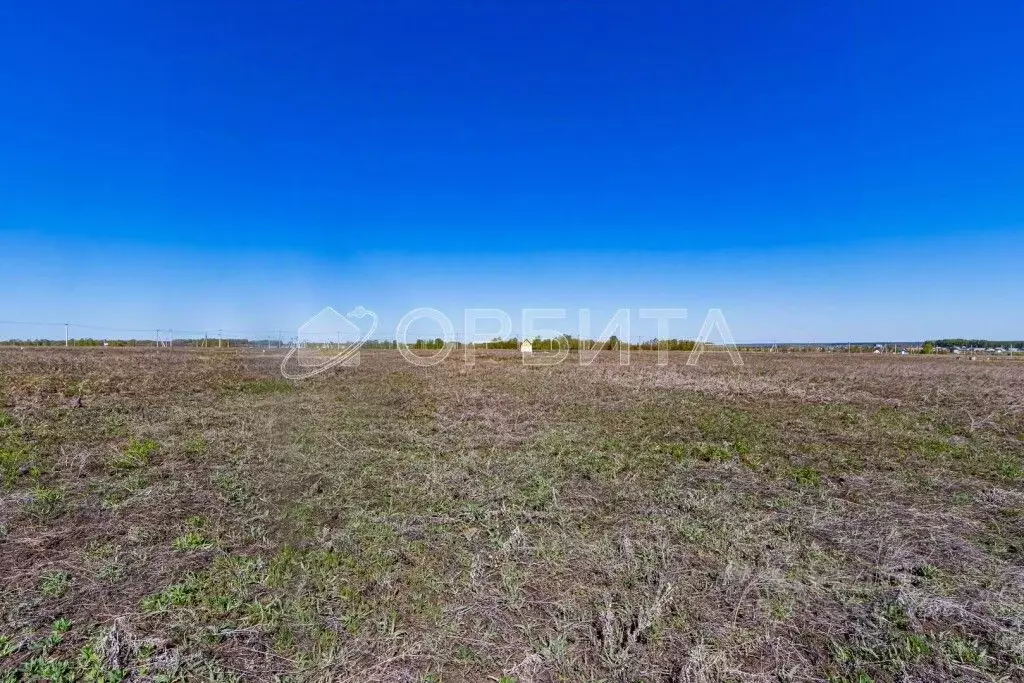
[13, 463]
[966, 651]
[138, 453]
[195, 445]
[193, 538]
[186, 593]
[806, 476]
[46, 503]
[55, 584]
[88, 665]
[1010, 468]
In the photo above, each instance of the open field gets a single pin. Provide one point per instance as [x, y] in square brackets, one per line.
[806, 517]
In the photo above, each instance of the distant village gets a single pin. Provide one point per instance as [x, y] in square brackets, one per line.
[967, 347]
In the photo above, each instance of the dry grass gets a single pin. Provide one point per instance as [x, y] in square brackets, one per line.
[806, 517]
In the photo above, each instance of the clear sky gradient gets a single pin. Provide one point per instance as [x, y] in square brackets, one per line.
[818, 170]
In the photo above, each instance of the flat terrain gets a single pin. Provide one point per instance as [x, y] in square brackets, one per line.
[805, 517]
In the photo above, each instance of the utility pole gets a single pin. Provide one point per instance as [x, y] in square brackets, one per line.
[66, 339]
[158, 338]
[170, 341]
[220, 337]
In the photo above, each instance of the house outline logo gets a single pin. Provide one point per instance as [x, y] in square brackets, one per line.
[325, 331]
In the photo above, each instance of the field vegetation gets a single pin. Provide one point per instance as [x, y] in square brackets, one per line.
[170, 514]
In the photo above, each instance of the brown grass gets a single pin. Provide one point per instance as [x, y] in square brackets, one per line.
[805, 517]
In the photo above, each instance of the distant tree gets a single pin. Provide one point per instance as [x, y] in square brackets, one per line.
[928, 348]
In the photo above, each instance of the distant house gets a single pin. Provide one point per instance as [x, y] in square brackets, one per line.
[526, 346]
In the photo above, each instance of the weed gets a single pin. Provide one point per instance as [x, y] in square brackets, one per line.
[466, 654]
[1010, 468]
[858, 677]
[137, 454]
[46, 503]
[709, 452]
[933, 448]
[192, 540]
[195, 445]
[807, 476]
[53, 670]
[910, 648]
[966, 651]
[55, 584]
[176, 595]
[896, 615]
[539, 494]
[7, 646]
[13, 464]
[89, 665]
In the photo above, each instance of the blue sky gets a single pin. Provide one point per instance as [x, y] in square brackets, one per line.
[820, 171]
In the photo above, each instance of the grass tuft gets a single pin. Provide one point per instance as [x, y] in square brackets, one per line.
[137, 454]
[55, 584]
[46, 503]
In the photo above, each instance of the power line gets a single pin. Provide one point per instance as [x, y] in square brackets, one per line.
[158, 334]
[103, 328]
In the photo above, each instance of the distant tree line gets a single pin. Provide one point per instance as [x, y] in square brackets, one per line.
[78, 342]
[975, 343]
[541, 344]
[513, 343]
[613, 343]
